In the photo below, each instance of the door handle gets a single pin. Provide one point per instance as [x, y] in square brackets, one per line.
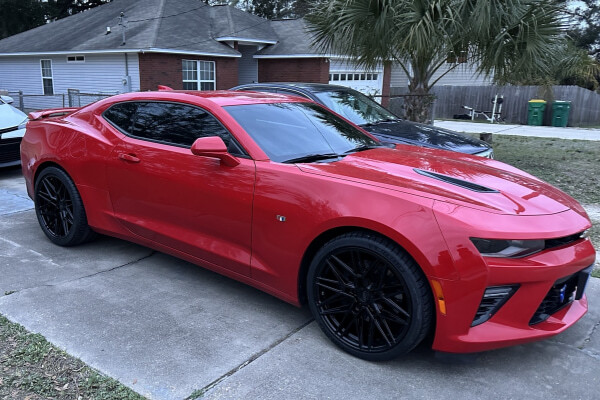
[129, 157]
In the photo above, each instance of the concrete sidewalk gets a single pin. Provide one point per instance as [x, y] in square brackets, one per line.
[169, 329]
[521, 130]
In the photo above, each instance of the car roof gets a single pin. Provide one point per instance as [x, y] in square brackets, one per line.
[310, 87]
[220, 97]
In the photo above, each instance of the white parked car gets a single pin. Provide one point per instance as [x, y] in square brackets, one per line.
[12, 129]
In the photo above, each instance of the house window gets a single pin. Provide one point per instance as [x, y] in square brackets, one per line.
[47, 81]
[199, 75]
[454, 59]
[75, 59]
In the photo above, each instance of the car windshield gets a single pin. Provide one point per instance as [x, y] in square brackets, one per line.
[355, 106]
[299, 132]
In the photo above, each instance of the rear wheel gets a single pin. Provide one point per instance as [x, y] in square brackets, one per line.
[59, 208]
[369, 296]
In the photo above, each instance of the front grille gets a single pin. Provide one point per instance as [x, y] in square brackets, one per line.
[562, 293]
[10, 150]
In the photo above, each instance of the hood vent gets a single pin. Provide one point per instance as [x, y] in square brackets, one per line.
[457, 182]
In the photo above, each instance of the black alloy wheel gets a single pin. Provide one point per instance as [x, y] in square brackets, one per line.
[369, 296]
[59, 208]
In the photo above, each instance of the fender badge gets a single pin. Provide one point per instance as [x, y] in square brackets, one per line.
[280, 218]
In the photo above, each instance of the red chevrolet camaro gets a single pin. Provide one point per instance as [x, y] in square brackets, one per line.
[385, 244]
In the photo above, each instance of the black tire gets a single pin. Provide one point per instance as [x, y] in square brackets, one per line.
[369, 296]
[59, 209]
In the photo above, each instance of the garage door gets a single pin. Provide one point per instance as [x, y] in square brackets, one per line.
[347, 74]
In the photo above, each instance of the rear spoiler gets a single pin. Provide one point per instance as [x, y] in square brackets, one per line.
[54, 112]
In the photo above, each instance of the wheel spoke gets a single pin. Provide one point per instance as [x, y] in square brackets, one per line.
[65, 225]
[383, 322]
[371, 332]
[46, 197]
[50, 188]
[392, 317]
[331, 298]
[337, 274]
[360, 328]
[345, 266]
[395, 306]
[336, 290]
[379, 328]
[337, 310]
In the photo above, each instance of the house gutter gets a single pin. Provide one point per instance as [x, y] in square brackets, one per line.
[151, 50]
[307, 55]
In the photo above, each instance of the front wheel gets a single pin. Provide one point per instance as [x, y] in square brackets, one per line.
[369, 296]
[59, 208]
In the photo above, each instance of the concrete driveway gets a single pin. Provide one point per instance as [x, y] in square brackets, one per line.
[167, 329]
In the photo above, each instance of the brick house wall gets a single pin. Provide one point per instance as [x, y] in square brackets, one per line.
[293, 70]
[166, 69]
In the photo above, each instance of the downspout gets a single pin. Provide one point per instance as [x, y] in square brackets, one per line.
[126, 79]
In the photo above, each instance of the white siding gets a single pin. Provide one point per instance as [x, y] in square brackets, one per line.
[398, 77]
[100, 73]
[463, 75]
[248, 66]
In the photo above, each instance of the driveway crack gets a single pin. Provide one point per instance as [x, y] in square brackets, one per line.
[84, 276]
[201, 392]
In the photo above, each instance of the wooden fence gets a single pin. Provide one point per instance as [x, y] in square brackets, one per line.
[585, 104]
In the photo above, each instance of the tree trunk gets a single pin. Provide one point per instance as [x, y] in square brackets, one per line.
[419, 102]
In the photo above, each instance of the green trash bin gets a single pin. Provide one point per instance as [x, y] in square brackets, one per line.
[560, 113]
[535, 114]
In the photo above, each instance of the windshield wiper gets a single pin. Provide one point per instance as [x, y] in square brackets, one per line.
[313, 157]
[364, 147]
[381, 121]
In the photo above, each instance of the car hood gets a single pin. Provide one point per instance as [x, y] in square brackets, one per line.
[512, 191]
[10, 116]
[426, 135]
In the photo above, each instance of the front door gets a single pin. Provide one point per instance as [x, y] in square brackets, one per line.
[162, 192]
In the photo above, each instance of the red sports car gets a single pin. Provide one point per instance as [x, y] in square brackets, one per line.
[384, 244]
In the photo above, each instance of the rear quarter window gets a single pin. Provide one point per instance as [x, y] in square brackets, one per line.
[121, 115]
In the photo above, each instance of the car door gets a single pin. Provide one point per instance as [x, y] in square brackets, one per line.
[163, 193]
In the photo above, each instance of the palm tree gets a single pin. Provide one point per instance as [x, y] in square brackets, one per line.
[502, 38]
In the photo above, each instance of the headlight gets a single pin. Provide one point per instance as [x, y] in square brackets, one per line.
[487, 153]
[508, 248]
[23, 123]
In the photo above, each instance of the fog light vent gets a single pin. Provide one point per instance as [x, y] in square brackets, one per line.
[494, 297]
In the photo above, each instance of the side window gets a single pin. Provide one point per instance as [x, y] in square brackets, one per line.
[178, 124]
[121, 115]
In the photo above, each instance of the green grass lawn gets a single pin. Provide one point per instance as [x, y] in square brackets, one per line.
[571, 165]
[32, 368]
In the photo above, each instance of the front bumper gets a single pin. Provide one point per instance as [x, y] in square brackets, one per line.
[549, 298]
